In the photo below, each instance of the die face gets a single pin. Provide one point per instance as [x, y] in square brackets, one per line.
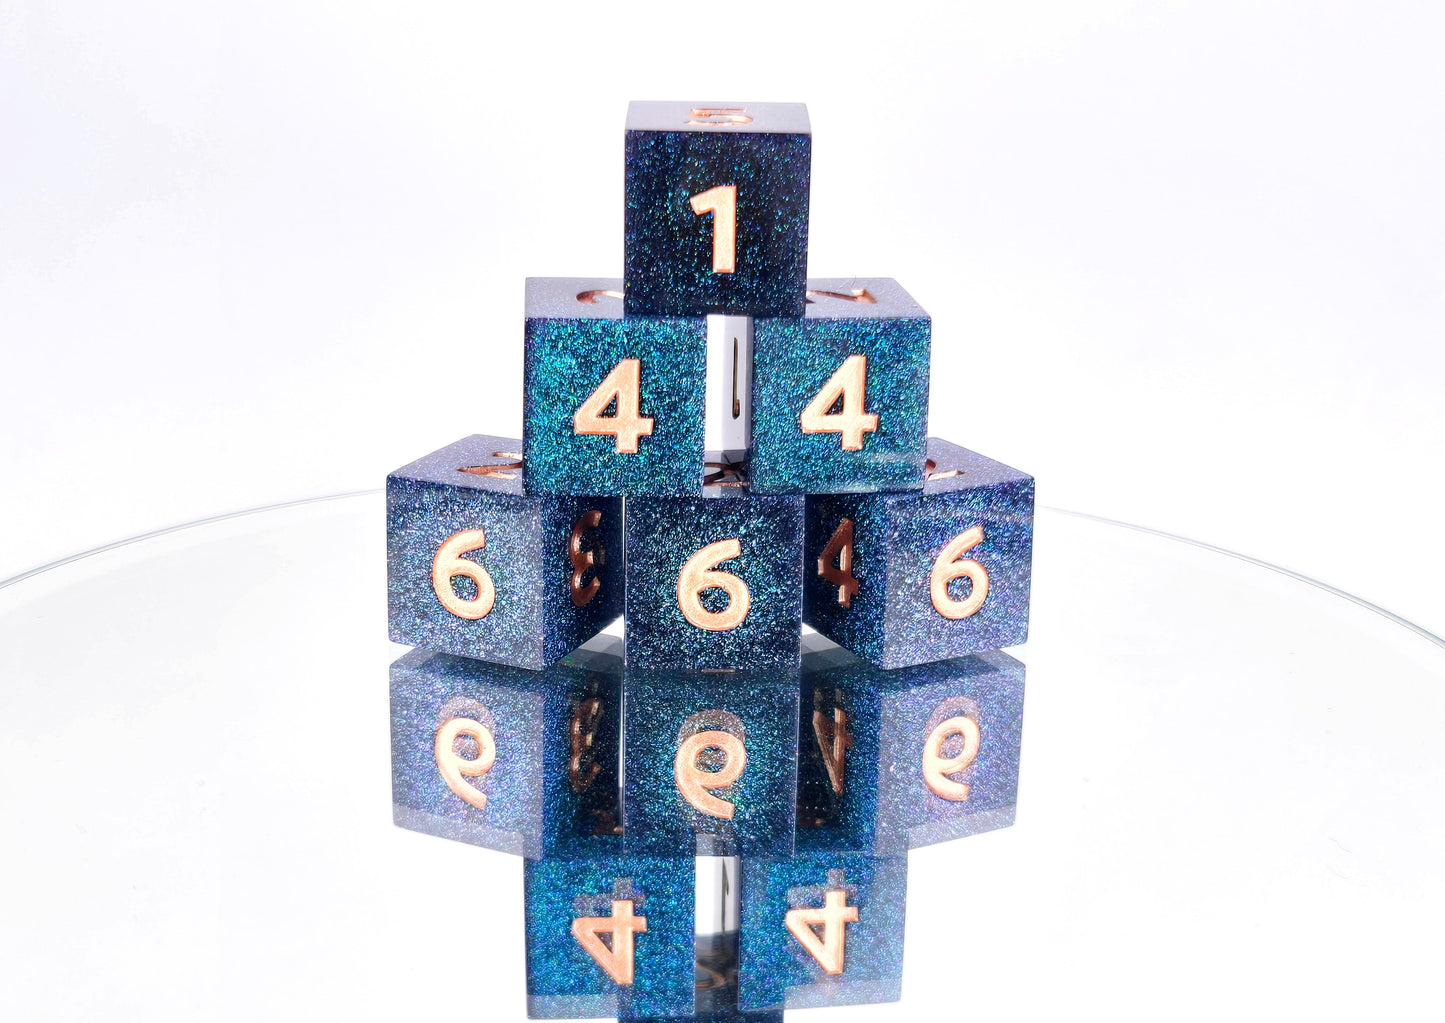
[900, 759]
[870, 359]
[612, 405]
[714, 581]
[478, 569]
[822, 930]
[687, 180]
[519, 761]
[637, 972]
[684, 732]
[915, 558]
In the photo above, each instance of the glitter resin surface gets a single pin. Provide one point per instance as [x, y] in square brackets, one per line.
[794, 361]
[564, 981]
[667, 535]
[893, 619]
[572, 347]
[669, 254]
[665, 710]
[778, 971]
[866, 780]
[552, 787]
[522, 546]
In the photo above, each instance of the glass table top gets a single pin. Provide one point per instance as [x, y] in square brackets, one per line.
[1229, 804]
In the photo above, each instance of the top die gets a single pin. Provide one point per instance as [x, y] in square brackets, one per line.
[717, 208]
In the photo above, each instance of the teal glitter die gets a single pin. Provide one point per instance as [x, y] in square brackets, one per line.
[610, 936]
[714, 581]
[524, 762]
[909, 578]
[717, 208]
[822, 930]
[611, 404]
[840, 395]
[479, 568]
[710, 756]
[894, 760]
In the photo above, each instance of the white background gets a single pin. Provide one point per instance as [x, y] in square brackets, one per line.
[1186, 261]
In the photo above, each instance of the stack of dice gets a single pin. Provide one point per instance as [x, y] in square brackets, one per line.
[716, 810]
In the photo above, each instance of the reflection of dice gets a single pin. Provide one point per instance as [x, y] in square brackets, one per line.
[822, 930]
[892, 760]
[609, 936]
[475, 567]
[907, 578]
[714, 581]
[840, 396]
[710, 754]
[612, 405]
[717, 208]
[514, 760]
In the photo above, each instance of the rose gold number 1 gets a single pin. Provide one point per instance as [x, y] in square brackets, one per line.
[722, 203]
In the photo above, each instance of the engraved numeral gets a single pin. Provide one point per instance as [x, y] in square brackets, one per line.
[624, 384]
[840, 547]
[719, 116]
[828, 949]
[455, 768]
[698, 575]
[722, 203]
[849, 382]
[583, 732]
[693, 782]
[948, 567]
[449, 563]
[937, 767]
[621, 925]
[834, 741]
[583, 560]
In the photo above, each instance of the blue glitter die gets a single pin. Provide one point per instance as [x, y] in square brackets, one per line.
[893, 760]
[476, 567]
[717, 208]
[909, 578]
[523, 762]
[822, 930]
[714, 581]
[710, 754]
[840, 395]
[611, 405]
[610, 937]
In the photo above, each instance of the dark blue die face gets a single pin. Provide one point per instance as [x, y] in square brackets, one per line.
[582, 924]
[789, 907]
[714, 581]
[611, 405]
[840, 396]
[710, 755]
[477, 568]
[903, 579]
[893, 760]
[514, 760]
[690, 178]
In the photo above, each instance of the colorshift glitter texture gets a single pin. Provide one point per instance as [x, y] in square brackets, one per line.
[527, 555]
[668, 248]
[891, 621]
[664, 708]
[664, 533]
[564, 982]
[793, 360]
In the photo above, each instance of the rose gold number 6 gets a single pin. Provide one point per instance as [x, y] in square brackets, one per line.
[449, 563]
[454, 768]
[948, 568]
[937, 767]
[697, 575]
[693, 782]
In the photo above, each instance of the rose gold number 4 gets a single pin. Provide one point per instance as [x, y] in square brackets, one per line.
[722, 203]
[841, 548]
[848, 382]
[624, 383]
[455, 769]
[828, 949]
[622, 925]
[947, 567]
